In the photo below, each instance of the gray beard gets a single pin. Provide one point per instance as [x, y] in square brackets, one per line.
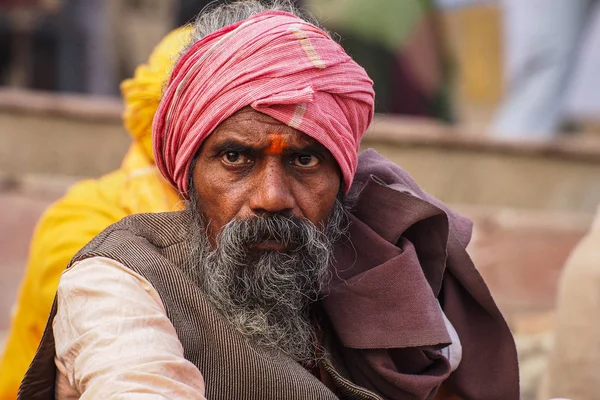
[266, 295]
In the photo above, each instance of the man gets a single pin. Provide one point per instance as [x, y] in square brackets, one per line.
[265, 286]
[88, 208]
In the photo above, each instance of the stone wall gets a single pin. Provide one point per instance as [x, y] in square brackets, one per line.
[79, 136]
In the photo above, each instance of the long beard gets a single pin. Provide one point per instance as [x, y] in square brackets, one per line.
[266, 295]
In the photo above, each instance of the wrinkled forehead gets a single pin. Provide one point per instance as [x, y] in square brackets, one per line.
[257, 130]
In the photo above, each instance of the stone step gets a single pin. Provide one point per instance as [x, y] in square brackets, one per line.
[79, 136]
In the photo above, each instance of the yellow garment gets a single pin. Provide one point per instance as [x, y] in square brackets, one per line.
[88, 208]
[142, 93]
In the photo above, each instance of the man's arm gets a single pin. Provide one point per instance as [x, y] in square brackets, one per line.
[114, 339]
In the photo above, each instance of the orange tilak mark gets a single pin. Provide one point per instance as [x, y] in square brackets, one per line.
[277, 145]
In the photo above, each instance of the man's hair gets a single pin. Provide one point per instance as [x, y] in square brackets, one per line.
[216, 16]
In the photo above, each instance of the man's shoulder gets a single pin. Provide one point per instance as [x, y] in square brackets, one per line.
[162, 229]
[376, 174]
[139, 234]
[372, 165]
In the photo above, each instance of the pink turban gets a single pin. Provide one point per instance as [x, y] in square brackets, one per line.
[279, 65]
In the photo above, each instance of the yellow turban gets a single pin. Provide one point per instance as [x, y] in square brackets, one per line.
[142, 93]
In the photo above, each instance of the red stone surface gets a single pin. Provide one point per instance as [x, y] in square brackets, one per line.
[521, 264]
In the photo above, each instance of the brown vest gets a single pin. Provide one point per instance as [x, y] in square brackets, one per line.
[156, 246]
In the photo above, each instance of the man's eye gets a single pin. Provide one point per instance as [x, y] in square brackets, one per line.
[305, 161]
[234, 157]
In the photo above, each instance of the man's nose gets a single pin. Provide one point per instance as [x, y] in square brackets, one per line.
[272, 193]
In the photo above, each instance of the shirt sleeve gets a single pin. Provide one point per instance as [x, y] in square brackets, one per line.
[113, 337]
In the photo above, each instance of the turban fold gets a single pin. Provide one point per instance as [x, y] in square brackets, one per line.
[279, 65]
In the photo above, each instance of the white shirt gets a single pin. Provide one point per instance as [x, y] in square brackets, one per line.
[114, 340]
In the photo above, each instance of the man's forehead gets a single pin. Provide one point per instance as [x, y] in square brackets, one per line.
[254, 128]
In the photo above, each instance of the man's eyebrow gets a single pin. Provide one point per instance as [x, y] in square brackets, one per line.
[232, 145]
[315, 148]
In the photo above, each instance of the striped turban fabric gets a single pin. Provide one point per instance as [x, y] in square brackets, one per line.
[279, 65]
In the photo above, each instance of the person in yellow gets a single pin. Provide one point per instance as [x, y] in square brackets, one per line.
[88, 208]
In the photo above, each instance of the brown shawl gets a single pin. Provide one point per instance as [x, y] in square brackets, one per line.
[406, 257]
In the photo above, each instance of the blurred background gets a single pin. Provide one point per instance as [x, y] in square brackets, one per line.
[492, 106]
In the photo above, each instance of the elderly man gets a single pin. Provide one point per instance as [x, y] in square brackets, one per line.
[297, 270]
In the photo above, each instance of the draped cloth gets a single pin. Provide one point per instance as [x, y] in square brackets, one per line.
[279, 65]
[406, 258]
